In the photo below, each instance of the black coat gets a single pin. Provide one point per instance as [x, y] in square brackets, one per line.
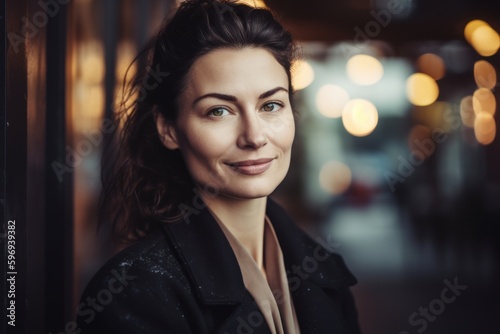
[185, 279]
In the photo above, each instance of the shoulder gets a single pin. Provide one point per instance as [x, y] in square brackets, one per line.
[133, 286]
[149, 257]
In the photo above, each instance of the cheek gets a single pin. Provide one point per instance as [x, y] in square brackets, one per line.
[284, 133]
[201, 146]
[291, 132]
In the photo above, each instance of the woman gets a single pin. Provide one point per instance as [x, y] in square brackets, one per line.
[200, 152]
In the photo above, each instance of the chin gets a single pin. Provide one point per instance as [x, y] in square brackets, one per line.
[253, 191]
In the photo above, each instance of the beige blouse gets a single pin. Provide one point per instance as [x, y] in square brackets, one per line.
[271, 293]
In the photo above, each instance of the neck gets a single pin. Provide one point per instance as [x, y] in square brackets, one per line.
[244, 219]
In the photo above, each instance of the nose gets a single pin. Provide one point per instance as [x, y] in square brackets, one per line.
[253, 134]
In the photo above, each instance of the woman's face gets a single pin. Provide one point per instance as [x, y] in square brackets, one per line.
[235, 126]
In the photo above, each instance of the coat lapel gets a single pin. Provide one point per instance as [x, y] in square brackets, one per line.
[317, 278]
[246, 318]
[312, 272]
[208, 258]
[214, 270]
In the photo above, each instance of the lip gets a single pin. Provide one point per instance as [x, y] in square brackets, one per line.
[251, 167]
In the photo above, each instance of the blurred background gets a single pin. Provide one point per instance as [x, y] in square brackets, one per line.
[396, 162]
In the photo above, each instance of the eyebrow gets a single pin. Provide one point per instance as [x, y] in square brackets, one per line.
[232, 98]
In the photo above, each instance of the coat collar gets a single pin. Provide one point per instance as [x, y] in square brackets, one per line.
[211, 264]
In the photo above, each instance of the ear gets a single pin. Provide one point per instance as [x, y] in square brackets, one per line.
[166, 131]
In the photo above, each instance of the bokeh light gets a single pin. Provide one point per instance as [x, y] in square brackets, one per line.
[330, 100]
[89, 101]
[485, 128]
[335, 177]
[483, 100]
[485, 40]
[302, 74]
[467, 112]
[254, 3]
[471, 27]
[91, 63]
[432, 65]
[360, 117]
[124, 62]
[364, 70]
[485, 74]
[421, 89]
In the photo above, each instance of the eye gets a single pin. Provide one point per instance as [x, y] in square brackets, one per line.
[218, 112]
[272, 106]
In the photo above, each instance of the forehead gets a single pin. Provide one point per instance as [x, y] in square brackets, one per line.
[233, 71]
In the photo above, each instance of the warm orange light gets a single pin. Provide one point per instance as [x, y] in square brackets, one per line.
[127, 53]
[125, 66]
[89, 106]
[88, 89]
[254, 3]
[432, 65]
[421, 89]
[467, 112]
[485, 74]
[485, 128]
[302, 74]
[331, 100]
[485, 40]
[360, 117]
[471, 27]
[91, 63]
[335, 177]
[364, 70]
[483, 100]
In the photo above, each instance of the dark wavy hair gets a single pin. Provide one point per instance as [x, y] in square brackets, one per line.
[143, 182]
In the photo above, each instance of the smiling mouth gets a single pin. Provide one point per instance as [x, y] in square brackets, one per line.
[251, 167]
